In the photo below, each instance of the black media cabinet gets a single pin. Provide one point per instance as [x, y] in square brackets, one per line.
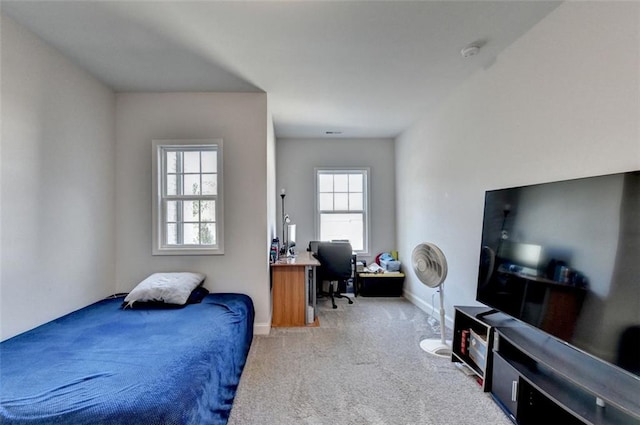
[537, 379]
[474, 327]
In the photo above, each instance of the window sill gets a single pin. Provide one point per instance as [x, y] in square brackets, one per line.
[187, 251]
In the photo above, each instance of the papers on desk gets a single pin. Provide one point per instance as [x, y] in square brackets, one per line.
[374, 268]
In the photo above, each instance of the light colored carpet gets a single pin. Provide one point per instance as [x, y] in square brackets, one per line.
[363, 365]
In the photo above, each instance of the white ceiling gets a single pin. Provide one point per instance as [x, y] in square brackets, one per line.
[363, 68]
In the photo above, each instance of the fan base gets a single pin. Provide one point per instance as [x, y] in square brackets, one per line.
[436, 348]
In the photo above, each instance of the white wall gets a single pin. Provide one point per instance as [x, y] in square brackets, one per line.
[57, 174]
[241, 120]
[271, 189]
[296, 160]
[561, 102]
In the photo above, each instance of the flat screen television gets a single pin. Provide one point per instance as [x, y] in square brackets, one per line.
[565, 257]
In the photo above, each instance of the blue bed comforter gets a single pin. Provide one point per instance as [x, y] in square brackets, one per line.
[105, 365]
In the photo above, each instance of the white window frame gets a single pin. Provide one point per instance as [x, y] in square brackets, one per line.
[366, 173]
[160, 247]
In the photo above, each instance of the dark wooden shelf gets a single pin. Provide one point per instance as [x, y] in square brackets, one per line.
[569, 379]
[482, 320]
[557, 382]
[615, 387]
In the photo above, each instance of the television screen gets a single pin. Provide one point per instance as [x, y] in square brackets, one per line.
[565, 258]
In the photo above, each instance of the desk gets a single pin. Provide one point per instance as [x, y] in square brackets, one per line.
[294, 289]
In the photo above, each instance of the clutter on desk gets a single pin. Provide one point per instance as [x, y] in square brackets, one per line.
[388, 262]
[374, 268]
[274, 252]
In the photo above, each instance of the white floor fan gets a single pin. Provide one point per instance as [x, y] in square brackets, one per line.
[430, 266]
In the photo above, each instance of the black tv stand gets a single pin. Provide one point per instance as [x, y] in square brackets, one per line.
[486, 313]
[473, 339]
[537, 379]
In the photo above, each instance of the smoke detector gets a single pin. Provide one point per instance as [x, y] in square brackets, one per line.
[470, 50]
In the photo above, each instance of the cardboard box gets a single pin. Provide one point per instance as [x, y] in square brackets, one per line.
[478, 349]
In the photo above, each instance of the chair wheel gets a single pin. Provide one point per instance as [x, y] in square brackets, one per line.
[350, 302]
[335, 306]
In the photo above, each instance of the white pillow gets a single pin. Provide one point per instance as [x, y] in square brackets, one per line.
[170, 288]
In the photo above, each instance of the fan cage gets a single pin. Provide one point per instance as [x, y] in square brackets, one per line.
[429, 264]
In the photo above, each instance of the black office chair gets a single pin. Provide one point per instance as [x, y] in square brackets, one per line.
[313, 247]
[335, 266]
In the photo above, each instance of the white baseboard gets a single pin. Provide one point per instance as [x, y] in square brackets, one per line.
[261, 328]
[428, 308]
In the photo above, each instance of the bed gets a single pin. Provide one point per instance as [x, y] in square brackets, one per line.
[107, 365]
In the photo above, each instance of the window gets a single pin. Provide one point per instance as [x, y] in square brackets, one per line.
[342, 205]
[187, 193]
